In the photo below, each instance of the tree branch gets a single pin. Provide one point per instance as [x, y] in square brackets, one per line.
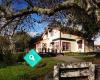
[6, 24]
[29, 2]
[3, 10]
[49, 12]
[62, 6]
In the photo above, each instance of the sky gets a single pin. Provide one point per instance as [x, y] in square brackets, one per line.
[97, 41]
[38, 27]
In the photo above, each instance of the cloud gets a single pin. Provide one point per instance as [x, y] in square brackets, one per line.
[97, 41]
[32, 34]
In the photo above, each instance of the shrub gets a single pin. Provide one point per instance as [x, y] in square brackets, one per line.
[97, 54]
[8, 58]
[42, 64]
[1, 56]
[20, 56]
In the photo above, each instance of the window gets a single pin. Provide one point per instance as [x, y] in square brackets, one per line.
[65, 46]
[79, 44]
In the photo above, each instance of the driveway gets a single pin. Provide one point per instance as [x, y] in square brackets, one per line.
[68, 59]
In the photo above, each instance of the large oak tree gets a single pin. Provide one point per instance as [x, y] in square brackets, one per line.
[83, 12]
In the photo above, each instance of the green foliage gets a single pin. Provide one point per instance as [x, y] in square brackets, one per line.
[77, 1]
[88, 58]
[72, 54]
[23, 76]
[8, 58]
[21, 40]
[1, 56]
[83, 56]
[19, 57]
[4, 44]
[25, 72]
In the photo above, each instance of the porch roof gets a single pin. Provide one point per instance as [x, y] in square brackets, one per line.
[64, 39]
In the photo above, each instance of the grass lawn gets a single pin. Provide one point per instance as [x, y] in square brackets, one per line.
[95, 60]
[25, 72]
[86, 57]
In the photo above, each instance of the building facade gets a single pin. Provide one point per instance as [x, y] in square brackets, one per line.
[60, 41]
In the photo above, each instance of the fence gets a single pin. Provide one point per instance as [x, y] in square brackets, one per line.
[74, 71]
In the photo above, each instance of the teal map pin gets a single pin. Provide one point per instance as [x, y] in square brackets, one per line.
[32, 58]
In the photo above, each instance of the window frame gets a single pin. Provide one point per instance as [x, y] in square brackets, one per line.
[67, 46]
[79, 42]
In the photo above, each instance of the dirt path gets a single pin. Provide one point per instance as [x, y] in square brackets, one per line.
[67, 59]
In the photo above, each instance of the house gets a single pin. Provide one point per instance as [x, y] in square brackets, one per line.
[62, 40]
[97, 48]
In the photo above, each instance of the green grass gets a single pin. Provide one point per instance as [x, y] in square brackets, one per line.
[82, 56]
[72, 54]
[25, 72]
[86, 58]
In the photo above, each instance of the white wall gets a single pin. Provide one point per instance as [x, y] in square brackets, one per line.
[67, 35]
[54, 34]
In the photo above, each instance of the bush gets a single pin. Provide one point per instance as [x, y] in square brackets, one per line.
[1, 57]
[97, 54]
[20, 56]
[8, 58]
[42, 64]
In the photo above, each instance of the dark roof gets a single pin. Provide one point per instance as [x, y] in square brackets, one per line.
[64, 39]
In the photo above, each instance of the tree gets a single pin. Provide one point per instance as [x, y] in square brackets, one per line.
[4, 47]
[78, 11]
[4, 44]
[21, 40]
